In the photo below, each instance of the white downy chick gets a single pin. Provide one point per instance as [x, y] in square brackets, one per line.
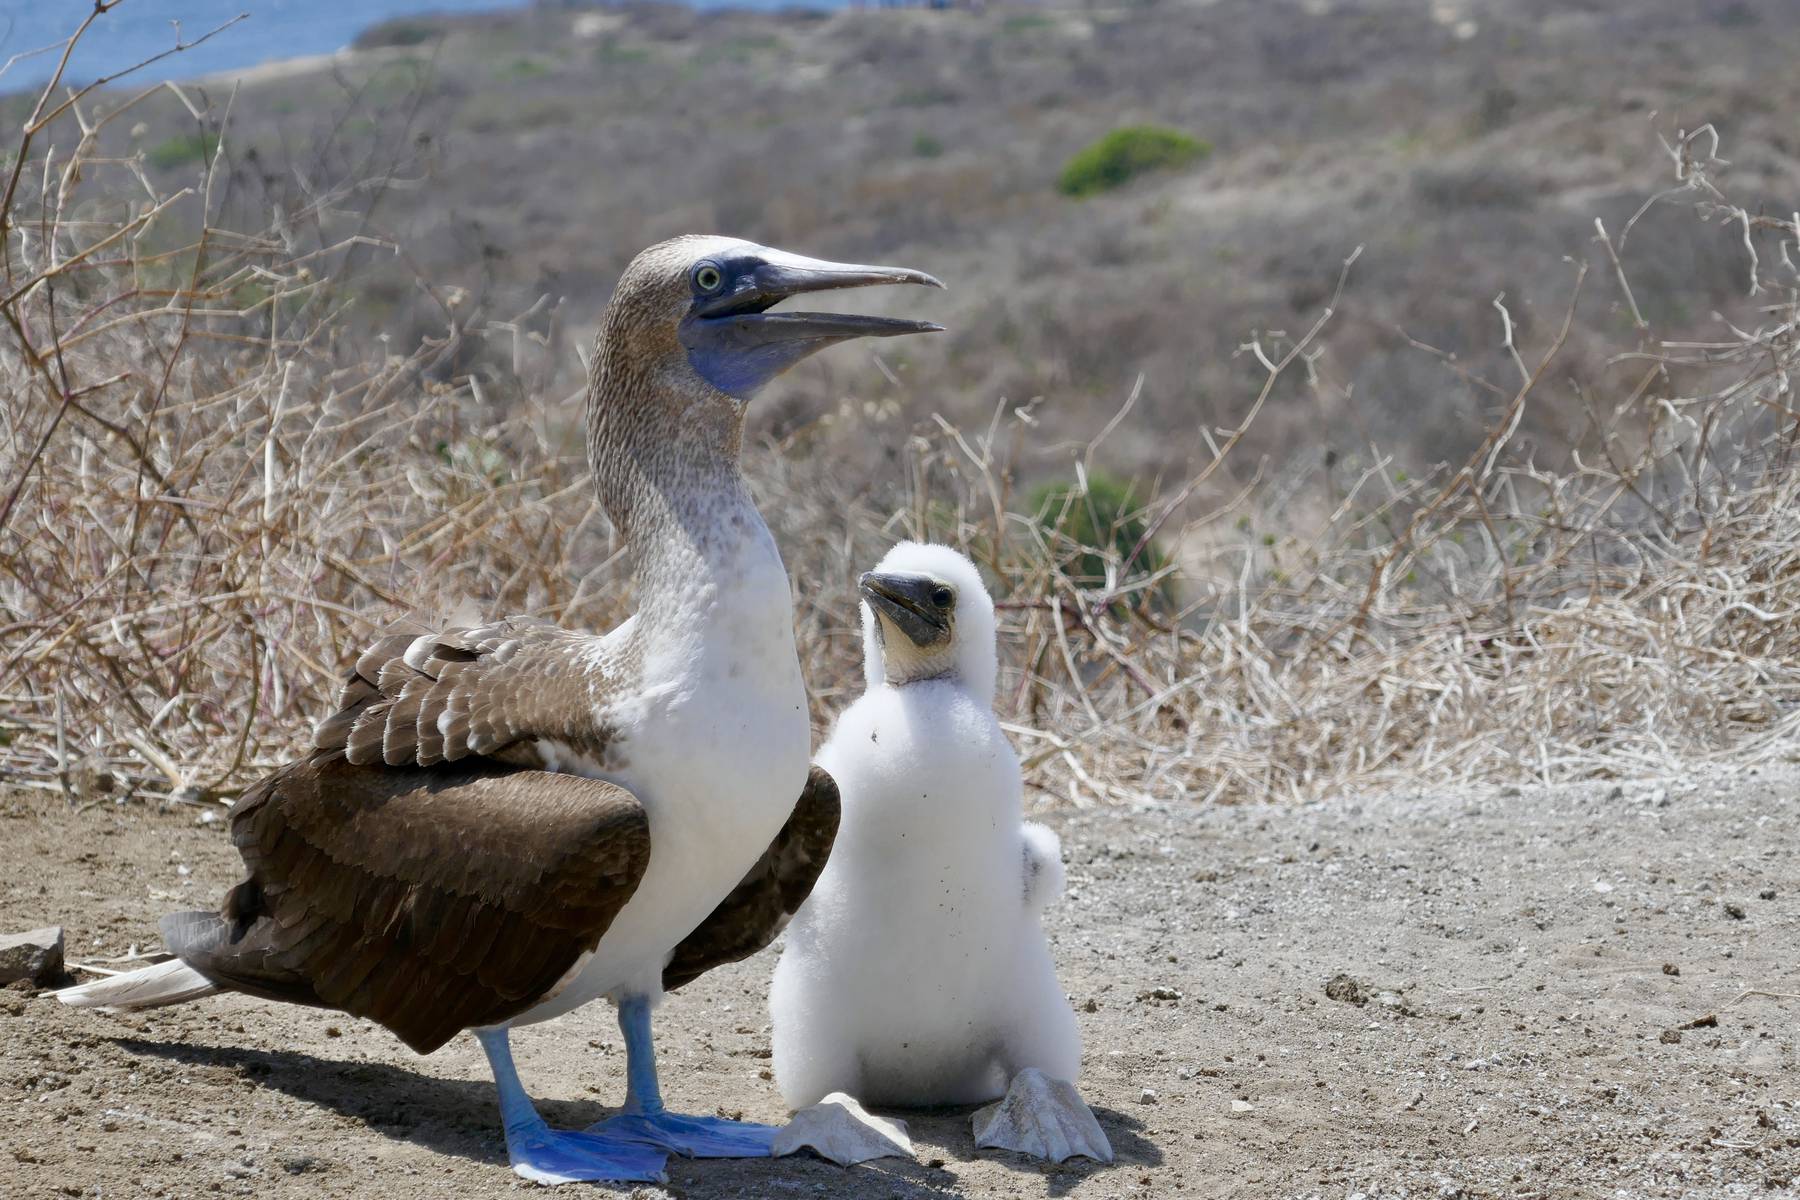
[918, 973]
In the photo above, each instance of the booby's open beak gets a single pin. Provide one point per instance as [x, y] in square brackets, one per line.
[905, 600]
[738, 345]
[743, 303]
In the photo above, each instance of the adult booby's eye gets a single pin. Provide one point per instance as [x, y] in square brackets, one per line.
[942, 597]
[708, 277]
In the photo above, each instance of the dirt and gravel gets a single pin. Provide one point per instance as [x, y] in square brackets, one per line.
[1509, 994]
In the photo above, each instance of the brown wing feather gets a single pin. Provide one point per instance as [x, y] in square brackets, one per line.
[420, 696]
[755, 911]
[429, 900]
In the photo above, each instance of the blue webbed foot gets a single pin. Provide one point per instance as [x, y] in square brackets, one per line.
[545, 1155]
[692, 1137]
[646, 1122]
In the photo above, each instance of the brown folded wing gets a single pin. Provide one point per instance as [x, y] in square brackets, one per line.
[429, 900]
[755, 911]
[419, 696]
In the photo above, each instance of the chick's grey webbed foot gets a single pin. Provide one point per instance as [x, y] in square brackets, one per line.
[842, 1131]
[1043, 1117]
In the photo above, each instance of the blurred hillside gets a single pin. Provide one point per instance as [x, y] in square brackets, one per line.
[1468, 146]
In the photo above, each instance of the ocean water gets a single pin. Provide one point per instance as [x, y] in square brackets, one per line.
[272, 29]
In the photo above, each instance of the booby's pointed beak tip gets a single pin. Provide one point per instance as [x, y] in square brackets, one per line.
[792, 276]
[911, 327]
[881, 275]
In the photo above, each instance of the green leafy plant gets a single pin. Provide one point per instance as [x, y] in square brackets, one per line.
[1085, 529]
[1126, 153]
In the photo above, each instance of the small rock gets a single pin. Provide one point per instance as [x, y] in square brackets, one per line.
[1671, 969]
[1242, 1108]
[1160, 993]
[1346, 989]
[1670, 1037]
[1766, 894]
[1734, 910]
[1091, 1006]
[1147, 1096]
[1603, 887]
[37, 956]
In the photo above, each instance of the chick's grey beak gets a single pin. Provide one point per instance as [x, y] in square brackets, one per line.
[905, 600]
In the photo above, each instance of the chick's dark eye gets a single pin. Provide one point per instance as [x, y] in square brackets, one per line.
[942, 597]
[708, 277]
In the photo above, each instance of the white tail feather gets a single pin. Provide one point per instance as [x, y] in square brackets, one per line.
[1043, 865]
[173, 982]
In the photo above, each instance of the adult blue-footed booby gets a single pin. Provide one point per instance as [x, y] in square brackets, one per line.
[504, 822]
[917, 973]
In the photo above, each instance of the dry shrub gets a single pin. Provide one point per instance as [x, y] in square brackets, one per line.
[1350, 627]
[210, 496]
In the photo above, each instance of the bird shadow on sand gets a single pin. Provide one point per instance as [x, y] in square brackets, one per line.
[948, 1130]
[459, 1117]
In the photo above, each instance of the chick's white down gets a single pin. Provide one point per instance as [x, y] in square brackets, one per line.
[918, 973]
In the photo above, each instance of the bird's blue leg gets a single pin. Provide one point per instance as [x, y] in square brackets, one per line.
[645, 1120]
[545, 1155]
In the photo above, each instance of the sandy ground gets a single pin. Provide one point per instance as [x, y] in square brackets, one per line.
[1520, 1033]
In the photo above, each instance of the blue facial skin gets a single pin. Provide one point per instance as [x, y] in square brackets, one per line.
[741, 371]
[734, 352]
[737, 346]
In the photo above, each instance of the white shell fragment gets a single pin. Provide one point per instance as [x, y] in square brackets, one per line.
[840, 1129]
[1042, 1117]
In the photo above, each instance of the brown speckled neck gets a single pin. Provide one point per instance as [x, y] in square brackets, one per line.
[664, 448]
